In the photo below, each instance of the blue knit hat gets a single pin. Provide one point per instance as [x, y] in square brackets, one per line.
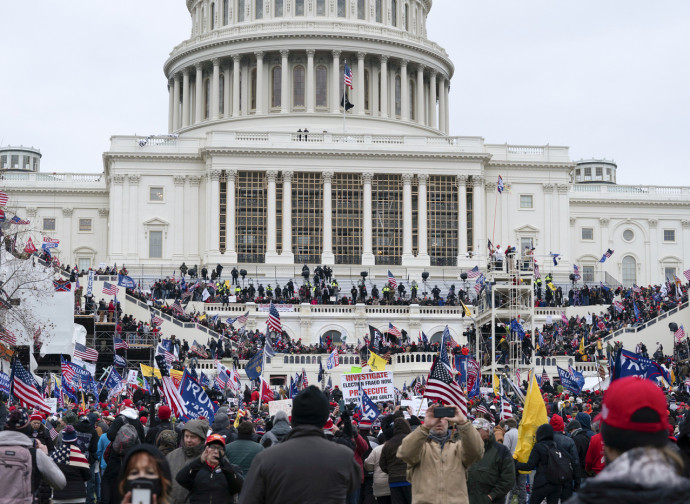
[69, 435]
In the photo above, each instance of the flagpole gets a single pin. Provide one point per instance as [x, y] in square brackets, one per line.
[344, 109]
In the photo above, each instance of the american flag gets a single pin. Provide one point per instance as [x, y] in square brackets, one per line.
[196, 348]
[571, 372]
[242, 319]
[70, 455]
[479, 283]
[222, 378]
[18, 221]
[119, 344]
[392, 280]
[608, 253]
[84, 353]
[517, 375]
[23, 389]
[506, 408]
[173, 398]
[274, 319]
[576, 272]
[680, 334]
[618, 306]
[474, 272]
[686, 274]
[177, 307]
[440, 385]
[305, 381]
[110, 289]
[481, 408]
[544, 376]
[156, 320]
[67, 373]
[636, 289]
[8, 336]
[51, 430]
[536, 270]
[394, 331]
[169, 358]
[348, 76]
[4, 198]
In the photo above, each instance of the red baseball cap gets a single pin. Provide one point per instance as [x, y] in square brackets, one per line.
[215, 438]
[625, 398]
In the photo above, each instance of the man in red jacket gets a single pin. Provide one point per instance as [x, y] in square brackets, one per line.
[595, 460]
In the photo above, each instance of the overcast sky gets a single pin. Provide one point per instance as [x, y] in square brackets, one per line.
[606, 78]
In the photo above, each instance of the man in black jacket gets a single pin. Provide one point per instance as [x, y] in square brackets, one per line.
[87, 442]
[539, 459]
[164, 414]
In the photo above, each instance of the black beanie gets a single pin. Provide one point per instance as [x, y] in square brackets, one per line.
[310, 407]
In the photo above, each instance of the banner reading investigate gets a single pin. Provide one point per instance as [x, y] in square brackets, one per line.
[378, 386]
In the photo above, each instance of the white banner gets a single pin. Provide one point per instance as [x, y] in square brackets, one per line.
[89, 288]
[418, 405]
[52, 404]
[282, 405]
[132, 376]
[279, 307]
[378, 386]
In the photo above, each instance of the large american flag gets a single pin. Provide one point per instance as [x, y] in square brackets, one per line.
[348, 76]
[392, 280]
[506, 408]
[173, 398]
[440, 385]
[8, 336]
[156, 320]
[119, 344]
[474, 272]
[84, 353]
[110, 289]
[274, 319]
[242, 319]
[19, 221]
[23, 389]
[177, 307]
[169, 357]
[394, 331]
[680, 334]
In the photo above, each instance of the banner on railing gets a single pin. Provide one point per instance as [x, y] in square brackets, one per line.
[279, 307]
[89, 287]
[378, 386]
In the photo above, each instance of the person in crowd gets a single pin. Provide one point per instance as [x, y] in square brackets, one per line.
[279, 431]
[221, 425]
[242, 451]
[39, 431]
[491, 478]
[164, 413]
[145, 467]
[277, 474]
[391, 464]
[539, 460]
[193, 438]
[642, 466]
[74, 465]
[211, 477]
[381, 488]
[431, 453]
[510, 441]
[567, 446]
[581, 440]
[87, 442]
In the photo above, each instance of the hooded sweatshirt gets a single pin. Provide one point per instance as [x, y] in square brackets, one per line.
[586, 423]
[281, 428]
[179, 458]
[50, 472]
[221, 425]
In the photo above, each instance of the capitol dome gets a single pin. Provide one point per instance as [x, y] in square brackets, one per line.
[247, 60]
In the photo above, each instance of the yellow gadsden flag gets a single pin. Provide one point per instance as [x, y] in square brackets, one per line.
[465, 310]
[376, 363]
[533, 416]
[150, 371]
[497, 386]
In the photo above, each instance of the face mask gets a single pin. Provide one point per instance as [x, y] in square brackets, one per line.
[146, 482]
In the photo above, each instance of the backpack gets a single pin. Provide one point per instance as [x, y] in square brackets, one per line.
[559, 470]
[166, 441]
[19, 475]
[125, 438]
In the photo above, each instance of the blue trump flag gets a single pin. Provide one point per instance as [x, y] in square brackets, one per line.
[572, 383]
[367, 406]
[4, 383]
[255, 366]
[627, 363]
[126, 282]
[197, 402]
[203, 380]
[119, 361]
[114, 383]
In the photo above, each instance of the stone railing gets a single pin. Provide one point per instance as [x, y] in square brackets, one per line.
[58, 180]
[646, 192]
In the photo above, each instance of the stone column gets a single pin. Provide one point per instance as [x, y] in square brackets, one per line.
[686, 243]
[192, 219]
[68, 245]
[360, 84]
[199, 88]
[235, 85]
[563, 216]
[226, 92]
[367, 232]
[287, 217]
[462, 217]
[374, 93]
[335, 83]
[311, 93]
[422, 228]
[259, 82]
[432, 101]
[421, 116]
[271, 251]
[384, 86]
[442, 105]
[214, 218]
[215, 90]
[327, 256]
[479, 214]
[132, 230]
[548, 216]
[407, 217]
[404, 92]
[185, 97]
[230, 247]
[115, 228]
[284, 83]
[653, 256]
[446, 89]
[171, 105]
[176, 103]
[178, 228]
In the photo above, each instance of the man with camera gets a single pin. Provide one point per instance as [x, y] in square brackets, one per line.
[438, 459]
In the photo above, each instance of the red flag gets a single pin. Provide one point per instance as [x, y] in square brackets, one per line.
[29, 248]
[266, 392]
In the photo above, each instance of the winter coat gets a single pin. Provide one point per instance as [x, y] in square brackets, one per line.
[380, 486]
[44, 437]
[280, 430]
[438, 473]
[49, 470]
[640, 475]
[221, 425]
[499, 434]
[278, 474]
[87, 440]
[567, 446]
[242, 452]
[595, 461]
[109, 492]
[493, 476]
[180, 457]
[586, 423]
[153, 432]
[205, 484]
[510, 440]
[581, 440]
[75, 467]
[539, 457]
[395, 467]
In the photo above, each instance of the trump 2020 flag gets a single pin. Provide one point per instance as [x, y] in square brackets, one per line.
[367, 406]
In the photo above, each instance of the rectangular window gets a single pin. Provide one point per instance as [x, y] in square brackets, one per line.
[15, 161]
[155, 194]
[526, 244]
[259, 9]
[85, 225]
[600, 173]
[278, 8]
[48, 224]
[155, 244]
[587, 233]
[299, 7]
[360, 9]
[240, 10]
[670, 273]
[341, 8]
[3, 162]
[588, 174]
[669, 235]
[526, 201]
[320, 7]
[84, 263]
[225, 12]
[588, 274]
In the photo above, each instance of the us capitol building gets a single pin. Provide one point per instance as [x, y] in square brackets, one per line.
[261, 168]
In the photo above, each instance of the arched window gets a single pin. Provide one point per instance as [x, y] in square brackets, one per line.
[398, 94]
[361, 9]
[321, 87]
[320, 7]
[276, 86]
[413, 99]
[240, 10]
[221, 93]
[335, 336]
[378, 11]
[298, 86]
[252, 91]
[407, 17]
[278, 8]
[299, 7]
[394, 12]
[207, 98]
[629, 270]
[259, 9]
[342, 9]
[367, 94]
[213, 16]
[436, 338]
[226, 12]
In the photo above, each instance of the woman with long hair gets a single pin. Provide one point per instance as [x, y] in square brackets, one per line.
[145, 471]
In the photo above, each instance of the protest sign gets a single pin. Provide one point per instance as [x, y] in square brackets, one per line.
[378, 386]
[282, 405]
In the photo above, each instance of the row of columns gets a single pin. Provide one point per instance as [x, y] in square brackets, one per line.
[182, 116]
[327, 256]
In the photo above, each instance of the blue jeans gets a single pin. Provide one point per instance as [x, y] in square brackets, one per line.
[353, 498]
[92, 490]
